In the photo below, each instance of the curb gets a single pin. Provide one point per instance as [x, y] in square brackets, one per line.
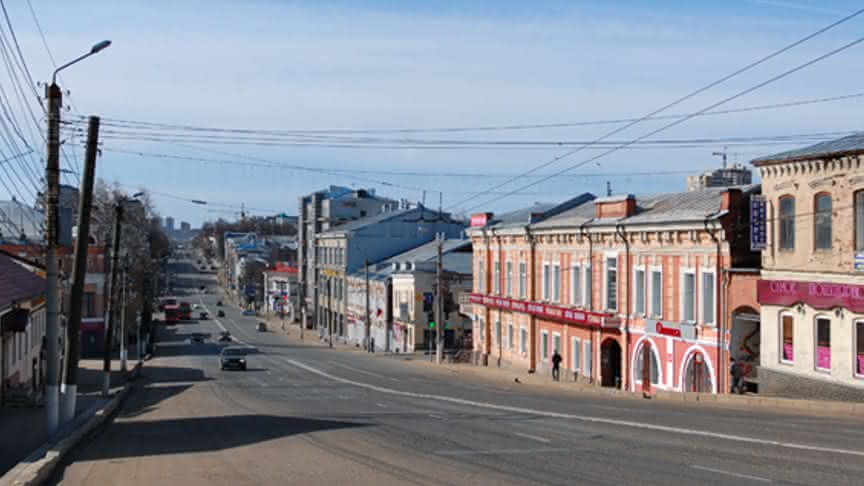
[38, 466]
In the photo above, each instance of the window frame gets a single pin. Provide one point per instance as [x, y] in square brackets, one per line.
[510, 345]
[556, 282]
[606, 273]
[523, 280]
[816, 216]
[544, 345]
[587, 358]
[702, 318]
[508, 278]
[576, 284]
[575, 354]
[588, 287]
[546, 282]
[635, 291]
[682, 288]
[481, 287]
[652, 270]
[780, 355]
[556, 336]
[523, 340]
[496, 277]
[816, 319]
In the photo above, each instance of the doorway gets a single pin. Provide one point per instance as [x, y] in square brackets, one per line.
[745, 346]
[610, 363]
[697, 377]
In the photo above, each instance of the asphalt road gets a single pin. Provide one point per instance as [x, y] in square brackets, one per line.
[305, 414]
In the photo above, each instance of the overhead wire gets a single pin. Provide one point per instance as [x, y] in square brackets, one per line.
[680, 100]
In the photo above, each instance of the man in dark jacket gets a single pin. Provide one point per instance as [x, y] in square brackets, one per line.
[556, 366]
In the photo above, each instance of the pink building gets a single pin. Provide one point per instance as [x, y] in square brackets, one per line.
[633, 292]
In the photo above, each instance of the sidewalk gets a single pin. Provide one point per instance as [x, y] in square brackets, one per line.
[23, 430]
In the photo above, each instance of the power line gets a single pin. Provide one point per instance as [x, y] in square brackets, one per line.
[686, 97]
[682, 120]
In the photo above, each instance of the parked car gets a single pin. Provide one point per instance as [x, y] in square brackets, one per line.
[233, 357]
[220, 313]
[261, 327]
[248, 312]
[225, 337]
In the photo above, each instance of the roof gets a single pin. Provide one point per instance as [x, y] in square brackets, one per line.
[18, 283]
[425, 253]
[850, 145]
[422, 213]
[679, 206]
[572, 217]
[540, 211]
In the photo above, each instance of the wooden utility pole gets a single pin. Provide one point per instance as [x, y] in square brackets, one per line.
[52, 280]
[76, 301]
[109, 324]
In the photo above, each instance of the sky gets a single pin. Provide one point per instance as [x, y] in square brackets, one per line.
[320, 65]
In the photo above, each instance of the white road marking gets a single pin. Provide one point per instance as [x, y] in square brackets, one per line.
[533, 437]
[364, 372]
[497, 452]
[728, 473]
[583, 418]
[381, 405]
[436, 416]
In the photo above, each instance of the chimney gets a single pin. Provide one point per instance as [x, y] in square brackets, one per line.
[730, 199]
[480, 219]
[615, 207]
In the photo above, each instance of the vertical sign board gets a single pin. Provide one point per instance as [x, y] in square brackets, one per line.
[859, 262]
[758, 226]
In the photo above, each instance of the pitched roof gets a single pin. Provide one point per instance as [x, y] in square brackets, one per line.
[680, 206]
[577, 216]
[427, 252]
[850, 145]
[422, 213]
[18, 283]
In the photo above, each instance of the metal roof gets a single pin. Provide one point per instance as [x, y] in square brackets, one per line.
[422, 213]
[572, 217]
[681, 206]
[425, 253]
[18, 283]
[849, 145]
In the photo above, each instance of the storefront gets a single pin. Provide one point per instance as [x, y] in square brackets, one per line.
[672, 356]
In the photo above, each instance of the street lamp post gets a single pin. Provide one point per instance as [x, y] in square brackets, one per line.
[52, 180]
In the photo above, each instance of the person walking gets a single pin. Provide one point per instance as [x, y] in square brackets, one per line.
[737, 376]
[556, 366]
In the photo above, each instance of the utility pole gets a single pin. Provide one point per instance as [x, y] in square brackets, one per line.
[330, 310]
[73, 329]
[109, 325]
[52, 322]
[123, 339]
[439, 301]
[368, 322]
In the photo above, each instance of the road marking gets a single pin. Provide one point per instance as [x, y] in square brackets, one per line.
[436, 416]
[583, 418]
[497, 452]
[381, 405]
[533, 437]
[737, 475]
[376, 375]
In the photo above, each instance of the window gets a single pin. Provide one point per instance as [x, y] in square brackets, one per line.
[576, 355]
[639, 290]
[556, 283]
[612, 283]
[556, 342]
[655, 366]
[575, 285]
[498, 333]
[481, 329]
[859, 348]
[545, 282]
[589, 285]
[89, 304]
[823, 343]
[787, 354]
[510, 341]
[481, 278]
[859, 221]
[786, 218]
[509, 279]
[586, 370]
[544, 345]
[523, 340]
[496, 277]
[656, 293]
[822, 221]
[688, 297]
[708, 295]
[523, 279]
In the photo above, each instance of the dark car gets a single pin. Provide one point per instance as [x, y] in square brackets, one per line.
[203, 316]
[225, 337]
[221, 313]
[219, 303]
[197, 338]
[233, 357]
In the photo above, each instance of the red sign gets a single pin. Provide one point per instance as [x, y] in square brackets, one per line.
[574, 316]
[667, 331]
[819, 295]
[480, 219]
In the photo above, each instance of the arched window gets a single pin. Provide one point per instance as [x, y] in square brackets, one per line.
[655, 365]
[786, 219]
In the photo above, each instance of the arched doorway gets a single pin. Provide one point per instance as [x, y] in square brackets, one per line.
[697, 374]
[646, 365]
[610, 363]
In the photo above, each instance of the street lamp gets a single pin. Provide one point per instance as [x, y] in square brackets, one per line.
[52, 318]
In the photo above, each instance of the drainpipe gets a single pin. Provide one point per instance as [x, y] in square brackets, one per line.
[721, 339]
[532, 326]
[622, 232]
[596, 339]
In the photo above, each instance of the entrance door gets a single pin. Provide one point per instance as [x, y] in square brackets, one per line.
[610, 363]
[697, 376]
[646, 367]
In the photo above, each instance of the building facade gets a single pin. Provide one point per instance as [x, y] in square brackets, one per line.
[812, 287]
[632, 292]
[280, 289]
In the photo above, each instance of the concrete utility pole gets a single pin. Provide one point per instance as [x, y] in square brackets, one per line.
[123, 339]
[330, 310]
[368, 321]
[73, 329]
[52, 323]
[439, 301]
[109, 325]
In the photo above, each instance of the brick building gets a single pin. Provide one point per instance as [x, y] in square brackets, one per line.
[628, 290]
[812, 287]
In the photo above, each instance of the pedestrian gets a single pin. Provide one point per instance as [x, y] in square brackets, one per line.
[736, 372]
[372, 345]
[556, 366]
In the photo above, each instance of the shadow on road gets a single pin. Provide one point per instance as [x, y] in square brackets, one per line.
[199, 434]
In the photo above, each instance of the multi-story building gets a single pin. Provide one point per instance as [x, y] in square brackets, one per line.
[633, 293]
[349, 247]
[735, 175]
[321, 211]
[280, 288]
[22, 329]
[812, 287]
[385, 337]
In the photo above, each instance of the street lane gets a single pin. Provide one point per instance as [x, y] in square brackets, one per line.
[311, 414]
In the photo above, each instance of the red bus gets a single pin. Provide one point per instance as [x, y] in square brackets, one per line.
[185, 311]
[171, 309]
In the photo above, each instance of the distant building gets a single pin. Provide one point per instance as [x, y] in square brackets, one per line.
[735, 175]
[169, 224]
[184, 226]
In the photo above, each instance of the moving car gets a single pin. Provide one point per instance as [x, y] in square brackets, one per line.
[203, 316]
[197, 338]
[233, 357]
[221, 313]
[248, 312]
[261, 327]
[224, 337]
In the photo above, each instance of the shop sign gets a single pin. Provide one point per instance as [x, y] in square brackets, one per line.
[859, 262]
[574, 316]
[819, 295]
[758, 230]
[680, 330]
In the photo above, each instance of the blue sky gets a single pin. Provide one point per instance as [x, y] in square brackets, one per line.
[340, 64]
